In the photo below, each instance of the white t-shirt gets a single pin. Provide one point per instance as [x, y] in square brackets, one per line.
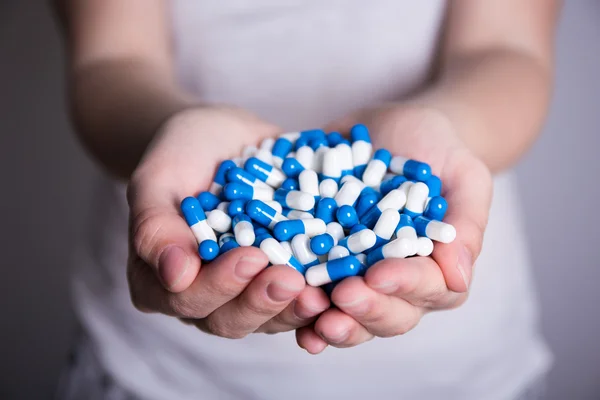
[301, 64]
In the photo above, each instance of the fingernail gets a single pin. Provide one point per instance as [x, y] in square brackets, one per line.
[278, 291]
[339, 338]
[172, 264]
[246, 267]
[465, 265]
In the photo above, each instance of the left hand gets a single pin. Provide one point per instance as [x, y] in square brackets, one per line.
[394, 294]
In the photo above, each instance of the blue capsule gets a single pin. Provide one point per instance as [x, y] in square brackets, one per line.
[321, 244]
[368, 199]
[434, 183]
[290, 184]
[286, 230]
[291, 167]
[282, 147]
[208, 250]
[325, 209]
[236, 207]
[265, 172]
[436, 208]
[360, 132]
[221, 175]
[391, 184]
[263, 213]
[208, 201]
[346, 216]
[334, 138]
[240, 175]
[227, 242]
[332, 271]
[312, 134]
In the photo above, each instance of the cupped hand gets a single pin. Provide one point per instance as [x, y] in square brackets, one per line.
[234, 295]
[394, 294]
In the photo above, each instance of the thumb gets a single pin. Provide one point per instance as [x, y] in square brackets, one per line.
[344, 124]
[160, 237]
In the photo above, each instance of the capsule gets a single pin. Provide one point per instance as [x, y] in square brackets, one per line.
[359, 242]
[312, 134]
[309, 183]
[285, 230]
[397, 248]
[294, 199]
[331, 166]
[221, 177]
[326, 209]
[346, 216]
[242, 176]
[333, 271]
[386, 226]
[322, 243]
[361, 148]
[338, 252]
[434, 183]
[290, 184]
[292, 167]
[349, 193]
[415, 201]
[236, 207]
[265, 172]
[436, 208]
[241, 191]
[305, 155]
[406, 230]
[296, 214]
[435, 230]
[223, 206]
[320, 148]
[394, 199]
[227, 242]
[357, 228]
[264, 152]
[208, 201]
[367, 200]
[376, 168]
[424, 246]
[301, 250]
[405, 187]
[391, 184]
[282, 147]
[260, 234]
[334, 138]
[196, 219]
[345, 157]
[328, 188]
[219, 221]
[412, 169]
[277, 255]
[243, 230]
[264, 214]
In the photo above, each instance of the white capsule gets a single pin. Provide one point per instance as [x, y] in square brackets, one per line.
[440, 232]
[348, 194]
[287, 246]
[362, 258]
[328, 188]
[244, 233]
[405, 187]
[331, 165]
[335, 230]
[297, 214]
[314, 227]
[361, 152]
[352, 178]
[386, 224]
[400, 248]
[409, 234]
[309, 182]
[274, 205]
[374, 173]
[319, 157]
[202, 231]
[302, 252]
[360, 241]
[249, 151]
[305, 156]
[424, 246]
[300, 201]
[219, 221]
[238, 161]
[223, 206]
[345, 156]
[338, 252]
[416, 198]
[265, 156]
[267, 144]
[277, 255]
[395, 199]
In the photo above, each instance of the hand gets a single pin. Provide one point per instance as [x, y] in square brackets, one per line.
[234, 295]
[395, 293]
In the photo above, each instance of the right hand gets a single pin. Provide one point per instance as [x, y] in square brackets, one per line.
[234, 295]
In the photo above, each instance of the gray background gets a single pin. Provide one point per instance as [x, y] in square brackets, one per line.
[45, 183]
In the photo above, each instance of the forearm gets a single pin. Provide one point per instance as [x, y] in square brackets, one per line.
[496, 101]
[117, 105]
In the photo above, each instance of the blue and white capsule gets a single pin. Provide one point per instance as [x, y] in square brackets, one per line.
[435, 230]
[395, 199]
[331, 166]
[241, 191]
[337, 252]
[391, 184]
[349, 192]
[291, 167]
[347, 217]
[290, 184]
[406, 230]
[320, 147]
[236, 207]
[360, 241]
[434, 183]
[334, 270]
[264, 152]
[367, 200]
[435, 208]
[415, 201]
[305, 155]
[286, 230]
[361, 149]
[196, 219]
[301, 249]
[334, 138]
[424, 246]
[386, 226]
[221, 177]
[267, 173]
[219, 221]
[277, 255]
[243, 230]
[240, 175]
[326, 209]
[282, 147]
[376, 168]
[328, 188]
[208, 201]
[412, 169]
[296, 214]
[227, 242]
[322, 243]
[397, 248]
[264, 214]
[260, 234]
[345, 157]
[309, 183]
[294, 199]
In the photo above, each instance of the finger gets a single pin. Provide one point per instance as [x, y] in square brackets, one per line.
[417, 280]
[265, 297]
[216, 284]
[341, 330]
[301, 312]
[308, 339]
[380, 314]
[468, 192]
[160, 237]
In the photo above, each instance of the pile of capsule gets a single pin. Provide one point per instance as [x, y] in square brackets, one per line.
[325, 206]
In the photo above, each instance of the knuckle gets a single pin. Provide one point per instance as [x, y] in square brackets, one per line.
[218, 328]
[144, 230]
[180, 306]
